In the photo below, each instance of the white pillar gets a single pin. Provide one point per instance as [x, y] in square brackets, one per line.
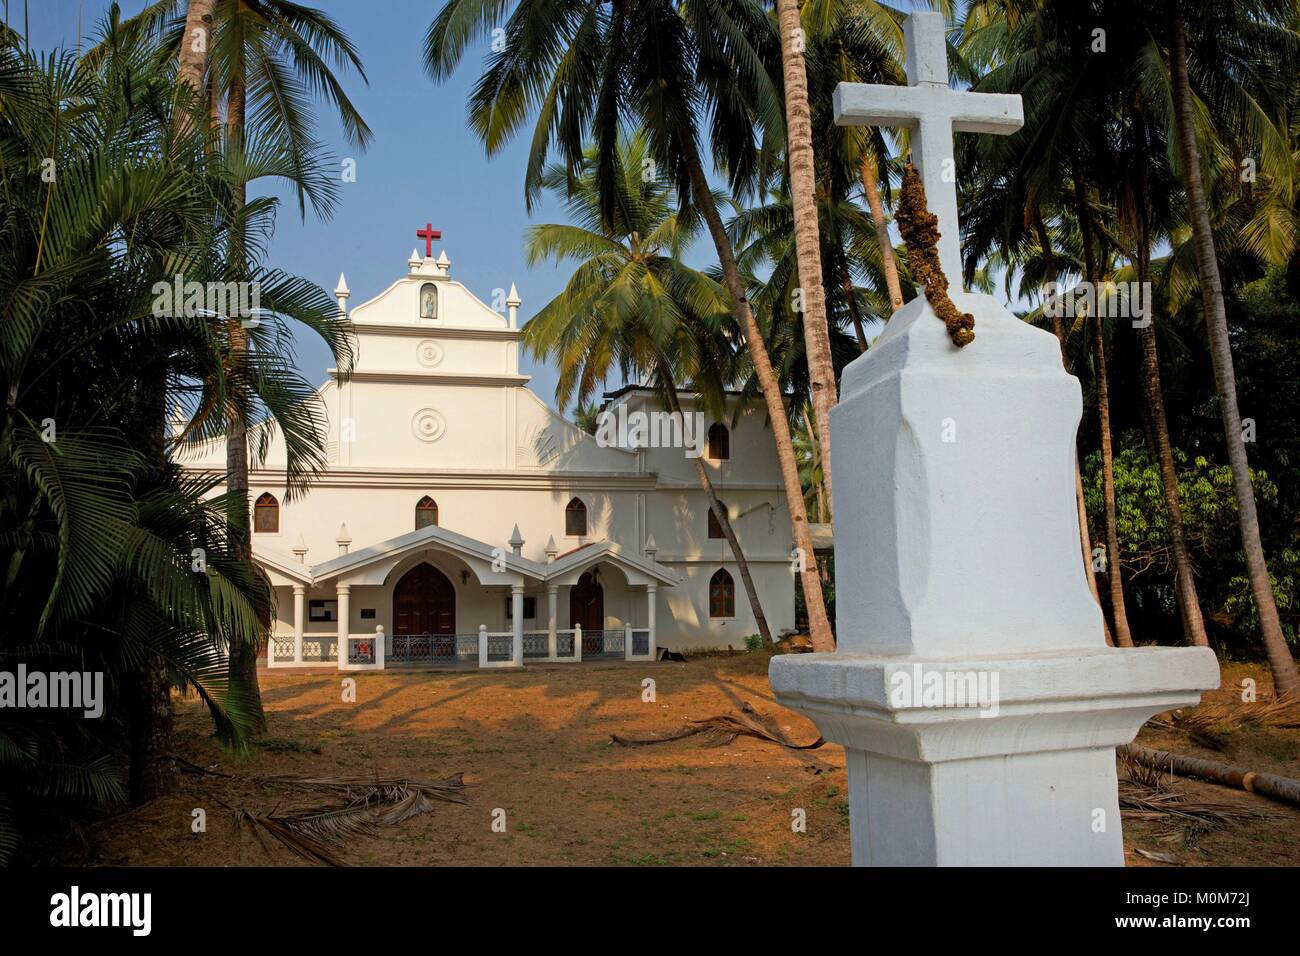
[577, 642]
[971, 688]
[652, 602]
[482, 646]
[627, 642]
[379, 646]
[299, 620]
[342, 592]
[517, 606]
[551, 602]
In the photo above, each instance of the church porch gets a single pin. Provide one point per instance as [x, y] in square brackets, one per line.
[427, 600]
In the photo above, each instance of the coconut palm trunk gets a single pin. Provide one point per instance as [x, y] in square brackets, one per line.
[243, 657]
[720, 512]
[803, 197]
[1123, 636]
[888, 262]
[1286, 677]
[1184, 577]
[192, 61]
[1114, 575]
[1058, 329]
[823, 639]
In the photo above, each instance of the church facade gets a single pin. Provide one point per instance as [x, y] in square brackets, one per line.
[462, 522]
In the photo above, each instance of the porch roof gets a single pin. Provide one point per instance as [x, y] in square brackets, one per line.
[466, 547]
[596, 551]
[418, 540]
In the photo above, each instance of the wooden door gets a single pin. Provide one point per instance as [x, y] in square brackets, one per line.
[424, 602]
[587, 608]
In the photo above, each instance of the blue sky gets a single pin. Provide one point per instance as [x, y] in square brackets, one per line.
[424, 165]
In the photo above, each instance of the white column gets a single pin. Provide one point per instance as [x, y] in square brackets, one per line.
[299, 620]
[627, 642]
[972, 689]
[482, 646]
[343, 593]
[551, 648]
[517, 606]
[577, 642]
[651, 600]
[379, 646]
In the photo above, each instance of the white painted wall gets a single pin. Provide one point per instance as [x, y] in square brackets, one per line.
[438, 408]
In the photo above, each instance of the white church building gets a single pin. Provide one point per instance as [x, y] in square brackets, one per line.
[462, 522]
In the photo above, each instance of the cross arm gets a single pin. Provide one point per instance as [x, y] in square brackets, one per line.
[870, 104]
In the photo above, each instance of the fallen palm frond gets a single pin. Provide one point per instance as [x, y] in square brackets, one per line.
[370, 803]
[1218, 718]
[1144, 803]
[1272, 785]
[723, 729]
[392, 789]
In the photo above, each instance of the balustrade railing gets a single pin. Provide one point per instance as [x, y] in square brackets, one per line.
[444, 650]
[482, 648]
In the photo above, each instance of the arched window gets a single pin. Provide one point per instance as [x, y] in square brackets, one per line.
[266, 514]
[719, 442]
[715, 526]
[575, 519]
[426, 513]
[428, 301]
[722, 594]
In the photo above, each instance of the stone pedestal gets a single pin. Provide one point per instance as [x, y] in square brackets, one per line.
[972, 688]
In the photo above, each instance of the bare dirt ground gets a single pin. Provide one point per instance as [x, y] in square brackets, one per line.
[536, 745]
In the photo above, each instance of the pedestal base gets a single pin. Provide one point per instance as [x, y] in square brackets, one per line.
[988, 761]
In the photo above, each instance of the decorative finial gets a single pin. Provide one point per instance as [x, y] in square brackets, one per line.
[341, 293]
[551, 549]
[344, 539]
[300, 549]
[512, 304]
[651, 549]
[517, 541]
[415, 261]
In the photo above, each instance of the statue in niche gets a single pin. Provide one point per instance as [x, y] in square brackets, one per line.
[428, 301]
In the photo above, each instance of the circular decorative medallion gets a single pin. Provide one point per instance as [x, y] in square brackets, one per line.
[429, 353]
[428, 425]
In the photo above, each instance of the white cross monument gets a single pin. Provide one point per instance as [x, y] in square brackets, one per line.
[972, 688]
[931, 111]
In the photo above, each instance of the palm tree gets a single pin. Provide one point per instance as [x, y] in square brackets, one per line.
[810, 465]
[1085, 117]
[590, 68]
[859, 42]
[632, 306]
[192, 61]
[764, 237]
[1114, 563]
[1227, 36]
[116, 562]
[265, 60]
[253, 378]
[803, 176]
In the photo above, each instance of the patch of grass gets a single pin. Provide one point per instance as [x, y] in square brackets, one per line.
[842, 808]
[710, 815]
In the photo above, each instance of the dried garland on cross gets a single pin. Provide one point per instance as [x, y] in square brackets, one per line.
[920, 230]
